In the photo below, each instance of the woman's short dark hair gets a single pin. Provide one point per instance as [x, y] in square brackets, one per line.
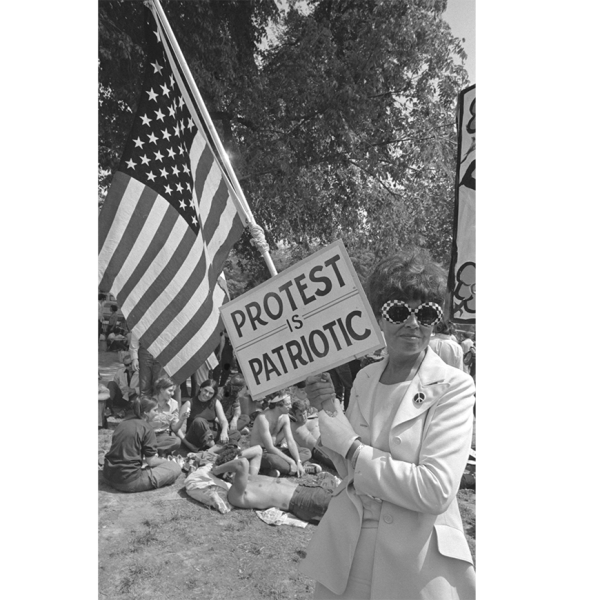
[162, 383]
[406, 276]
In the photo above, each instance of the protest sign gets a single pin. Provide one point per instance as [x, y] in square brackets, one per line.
[308, 319]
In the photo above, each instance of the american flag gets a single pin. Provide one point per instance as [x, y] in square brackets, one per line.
[169, 221]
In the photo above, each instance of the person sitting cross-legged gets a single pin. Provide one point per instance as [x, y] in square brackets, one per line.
[308, 502]
[207, 424]
[132, 464]
[169, 417]
[270, 430]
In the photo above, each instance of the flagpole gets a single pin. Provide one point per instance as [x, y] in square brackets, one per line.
[258, 236]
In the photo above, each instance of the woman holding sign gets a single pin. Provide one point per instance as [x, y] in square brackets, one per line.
[393, 529]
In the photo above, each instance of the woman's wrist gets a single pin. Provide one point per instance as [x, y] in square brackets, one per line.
[355, 456]
[355, 444]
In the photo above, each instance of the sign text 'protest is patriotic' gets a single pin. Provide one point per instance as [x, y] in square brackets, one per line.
[310, 318]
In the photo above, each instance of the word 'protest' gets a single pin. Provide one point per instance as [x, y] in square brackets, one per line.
[310, 318]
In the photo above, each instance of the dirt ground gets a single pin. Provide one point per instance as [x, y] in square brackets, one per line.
[162, 544]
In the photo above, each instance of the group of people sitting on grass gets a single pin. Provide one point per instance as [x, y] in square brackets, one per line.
[156, 429]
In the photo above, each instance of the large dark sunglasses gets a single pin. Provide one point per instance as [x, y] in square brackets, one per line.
[397, 311]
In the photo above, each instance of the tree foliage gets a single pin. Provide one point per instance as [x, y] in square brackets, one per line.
[344, 127]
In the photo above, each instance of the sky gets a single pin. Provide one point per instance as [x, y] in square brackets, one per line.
[460, 15]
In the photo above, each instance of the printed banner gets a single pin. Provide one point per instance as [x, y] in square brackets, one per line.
[310, 318]
[461, 280]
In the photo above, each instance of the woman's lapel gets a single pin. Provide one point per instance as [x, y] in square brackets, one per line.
[425, 389]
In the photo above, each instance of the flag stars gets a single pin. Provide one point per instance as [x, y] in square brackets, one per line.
[157, 35]
[171, 111]
[138, 143]
[145, 160]
[165, 90]
[151, 176]
[182, 204]
[179, 188]
[131, 164]
[159, 156]
[171, 153]
[194, 220]
[153, 95]
[168, 189]
[175, 171]
[157, 67]
[181, 152]
[159, 114]
[166, 134]
[172, 80]
[152, 138]
[164, 173]
[186, 169]
[180, 101]
[145, 120]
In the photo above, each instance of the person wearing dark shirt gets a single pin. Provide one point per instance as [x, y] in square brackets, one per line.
[133, 444]
[207, 423]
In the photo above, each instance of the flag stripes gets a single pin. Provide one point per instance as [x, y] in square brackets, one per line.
[141, 226]
[168, 224]
[170, 228]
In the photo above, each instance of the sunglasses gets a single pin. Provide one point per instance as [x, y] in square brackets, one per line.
[397, 311]
[127, 364]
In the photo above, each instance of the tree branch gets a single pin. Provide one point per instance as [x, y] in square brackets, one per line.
[383, 185]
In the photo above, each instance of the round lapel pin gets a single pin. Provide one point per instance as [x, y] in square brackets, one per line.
[418, 399]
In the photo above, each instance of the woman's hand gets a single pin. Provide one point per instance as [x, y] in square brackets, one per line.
[319, 389]
[336, 432]
[224, 437]
[186, 409]
[300, 469]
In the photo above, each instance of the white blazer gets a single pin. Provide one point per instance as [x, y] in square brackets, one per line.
[421, 550]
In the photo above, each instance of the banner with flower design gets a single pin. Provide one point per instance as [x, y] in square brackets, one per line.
[461, 281]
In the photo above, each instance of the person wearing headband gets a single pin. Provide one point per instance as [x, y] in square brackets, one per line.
[393, 529]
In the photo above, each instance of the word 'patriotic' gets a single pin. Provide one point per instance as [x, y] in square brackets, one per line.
[168, 221]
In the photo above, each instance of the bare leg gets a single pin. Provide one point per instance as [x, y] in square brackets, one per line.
[254, 456]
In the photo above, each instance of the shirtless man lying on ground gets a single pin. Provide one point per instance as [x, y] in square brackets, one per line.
[305, 501]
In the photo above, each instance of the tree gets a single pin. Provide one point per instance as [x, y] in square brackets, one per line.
[345, 127]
